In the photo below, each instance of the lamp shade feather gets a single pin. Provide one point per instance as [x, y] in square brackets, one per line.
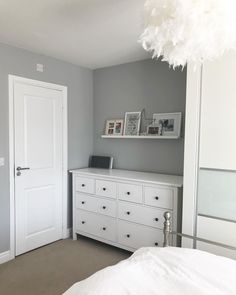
[183, 31]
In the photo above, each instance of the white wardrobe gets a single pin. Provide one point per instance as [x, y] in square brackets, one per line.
[209, 199]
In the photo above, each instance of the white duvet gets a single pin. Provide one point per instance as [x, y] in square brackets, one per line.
[163, 271]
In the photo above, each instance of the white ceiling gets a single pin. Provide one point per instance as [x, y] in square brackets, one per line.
[90, 33]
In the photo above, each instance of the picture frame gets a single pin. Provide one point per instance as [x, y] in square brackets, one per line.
[153, 129]
[114, 127]
[132, 123]
[170, 123]
[119, 126]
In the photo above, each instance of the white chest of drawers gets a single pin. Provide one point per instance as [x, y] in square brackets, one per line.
[125, 208]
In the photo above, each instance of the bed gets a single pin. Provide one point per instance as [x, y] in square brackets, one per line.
[163, 271]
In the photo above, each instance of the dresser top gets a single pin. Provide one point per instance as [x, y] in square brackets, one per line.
[148, 177]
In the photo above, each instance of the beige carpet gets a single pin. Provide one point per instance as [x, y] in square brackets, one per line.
[52, 269]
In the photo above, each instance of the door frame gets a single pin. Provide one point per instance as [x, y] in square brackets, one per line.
[11, 82]
[191, 153]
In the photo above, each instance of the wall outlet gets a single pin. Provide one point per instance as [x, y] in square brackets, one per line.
[2, 162]
[39, 68]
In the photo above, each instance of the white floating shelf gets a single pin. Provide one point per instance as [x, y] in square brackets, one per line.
[140, 137]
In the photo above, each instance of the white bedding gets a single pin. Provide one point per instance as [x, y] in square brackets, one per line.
[163, 271]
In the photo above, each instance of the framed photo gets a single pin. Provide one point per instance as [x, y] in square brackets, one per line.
[153, 129]
[132, 123]
[119, 124]
[114, 127]
[169, 123]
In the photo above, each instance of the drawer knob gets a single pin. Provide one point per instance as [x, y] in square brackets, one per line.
[157, 198]
[128, 213]
[156, 244]
[83, 185]
[128, 236]
[156, 219]
[103, 228]
[104, 188]
[128, 193]
[83, 202]
[104, 207]
[83, 222]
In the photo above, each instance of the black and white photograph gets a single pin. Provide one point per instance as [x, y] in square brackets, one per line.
[169, 123]
[153, 129]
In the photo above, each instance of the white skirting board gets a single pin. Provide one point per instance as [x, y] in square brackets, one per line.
[5, 256]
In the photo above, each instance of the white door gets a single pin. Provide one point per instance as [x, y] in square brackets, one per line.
[38, 165]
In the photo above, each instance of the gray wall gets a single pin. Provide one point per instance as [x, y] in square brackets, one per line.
[80, 113]
[131, 87]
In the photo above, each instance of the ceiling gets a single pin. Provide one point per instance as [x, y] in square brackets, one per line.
[90, 33]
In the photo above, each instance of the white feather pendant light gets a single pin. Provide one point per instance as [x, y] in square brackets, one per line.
[182, 31]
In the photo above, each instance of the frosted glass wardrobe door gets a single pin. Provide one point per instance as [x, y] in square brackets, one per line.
[217, 194]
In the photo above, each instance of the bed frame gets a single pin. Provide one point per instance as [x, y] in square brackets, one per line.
[168, 234]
